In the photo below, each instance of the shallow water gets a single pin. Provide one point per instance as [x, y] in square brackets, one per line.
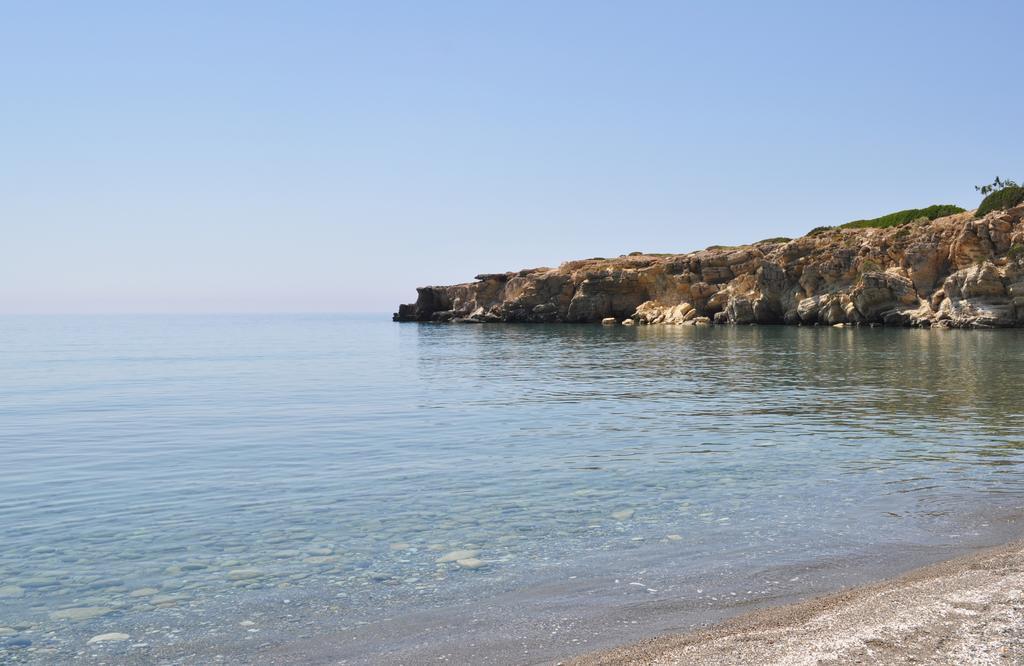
[231, 486]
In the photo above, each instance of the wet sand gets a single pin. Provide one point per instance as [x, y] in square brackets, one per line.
[968, 610]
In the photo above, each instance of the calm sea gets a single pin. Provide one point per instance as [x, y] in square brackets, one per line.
[342, 489]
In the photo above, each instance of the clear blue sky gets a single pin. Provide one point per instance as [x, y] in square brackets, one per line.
[331, 156]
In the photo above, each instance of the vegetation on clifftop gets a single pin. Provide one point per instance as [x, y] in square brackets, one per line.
[904, 216]
[1008, 197]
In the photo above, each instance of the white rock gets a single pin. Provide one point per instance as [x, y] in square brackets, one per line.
[609, 321]
[624, 514]
[470, 563]
[674, 537]
[244, 574]
[108, 638]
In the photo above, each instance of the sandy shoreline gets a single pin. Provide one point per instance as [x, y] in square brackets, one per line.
[968, 610]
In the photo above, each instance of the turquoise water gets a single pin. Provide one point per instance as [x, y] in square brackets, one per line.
[223, 487]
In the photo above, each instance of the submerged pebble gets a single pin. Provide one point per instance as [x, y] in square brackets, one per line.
[80, 613]
[470, 563]
[456, 555]
[112, 637]
[143, 592]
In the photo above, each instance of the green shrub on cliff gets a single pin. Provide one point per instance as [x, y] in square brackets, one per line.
[870, 266]
[904, 216]
[1008, 197]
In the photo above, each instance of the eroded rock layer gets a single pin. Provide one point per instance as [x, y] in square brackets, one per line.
[955, 271]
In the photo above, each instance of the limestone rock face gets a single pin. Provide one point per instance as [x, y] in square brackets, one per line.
[955, 271]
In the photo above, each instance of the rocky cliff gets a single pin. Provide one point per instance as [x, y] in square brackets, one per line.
[955, 271]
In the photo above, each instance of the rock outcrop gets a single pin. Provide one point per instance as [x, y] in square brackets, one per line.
[956, 272]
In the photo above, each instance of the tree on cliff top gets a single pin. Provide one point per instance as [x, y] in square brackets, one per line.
[999, 195]
[995, 186]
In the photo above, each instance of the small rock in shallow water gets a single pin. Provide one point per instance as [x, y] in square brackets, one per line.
[624, 514]
[456, 555]
[321, 559]
[81, 613]
[244, 574]
[7, 631]
[674, 537]
[247, 623]
[399, 546]
[143, 592]
[470, 563]
[11, 592]
[112, 637]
